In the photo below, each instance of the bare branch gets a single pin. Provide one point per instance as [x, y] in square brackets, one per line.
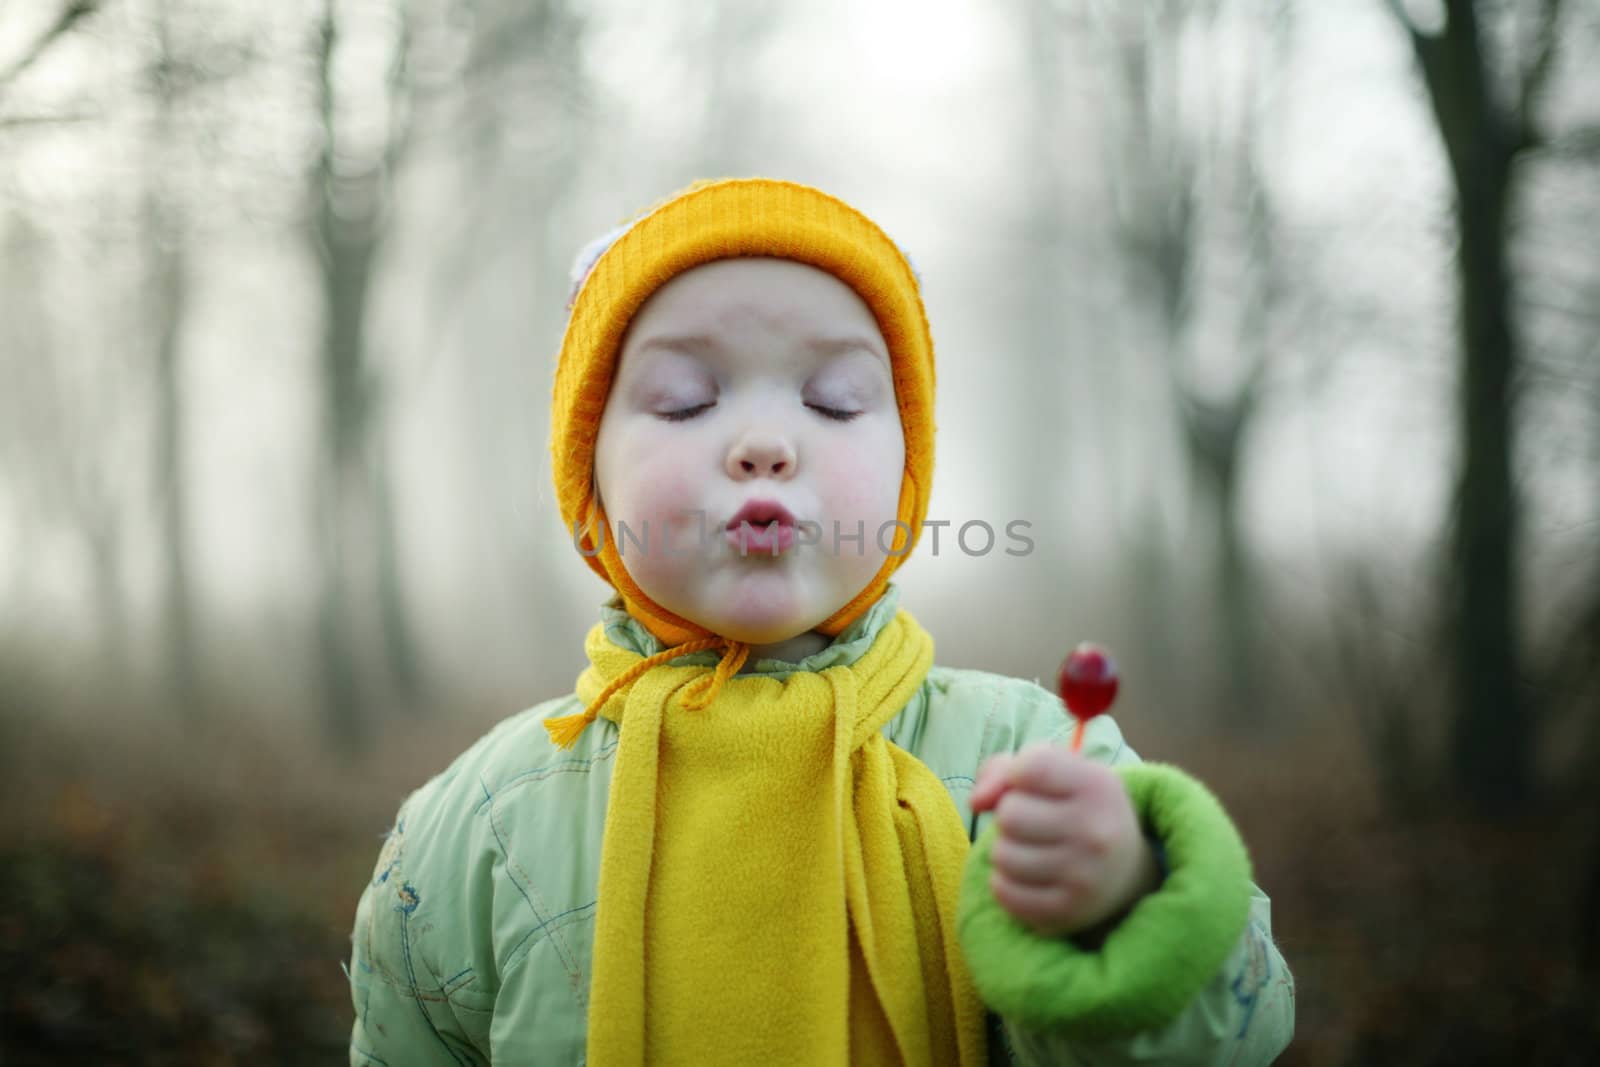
[1580, 143]
[1537, 75]
[1427, 46]
[8, 122]
[1399, 11]
[401, 119]
[70, 16]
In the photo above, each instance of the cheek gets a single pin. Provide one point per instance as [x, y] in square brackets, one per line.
[864, 479]
[650, 475]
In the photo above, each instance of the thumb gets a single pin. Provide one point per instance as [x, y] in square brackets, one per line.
[994, 778]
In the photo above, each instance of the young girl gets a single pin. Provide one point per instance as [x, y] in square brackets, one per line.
[766, 828]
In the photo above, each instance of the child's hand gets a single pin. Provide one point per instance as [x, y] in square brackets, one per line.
[1069, 854]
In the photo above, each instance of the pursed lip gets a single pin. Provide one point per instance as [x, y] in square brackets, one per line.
[760, 513]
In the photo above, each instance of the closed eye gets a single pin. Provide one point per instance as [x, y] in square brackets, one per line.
[686, 413]
[833, 413]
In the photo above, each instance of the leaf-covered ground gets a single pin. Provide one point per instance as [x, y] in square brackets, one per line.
[112, 964]
[187, 900]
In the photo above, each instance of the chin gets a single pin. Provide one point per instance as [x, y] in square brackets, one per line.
[767, 630]
[759, 614]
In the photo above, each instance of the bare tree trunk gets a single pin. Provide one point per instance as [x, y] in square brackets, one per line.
[1155, 225]
[1492, 734]
[342, 241]
[1214, 433]
[170, 450]
[1492, 731]
[354, 503]
[516, 42]
[1589, 920]
[1217, 431]
[401, 651]
[1049, 337]
[111, 616]
[1161, 170]
[166, 246]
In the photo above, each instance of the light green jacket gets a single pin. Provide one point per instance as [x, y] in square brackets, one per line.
[472, 942]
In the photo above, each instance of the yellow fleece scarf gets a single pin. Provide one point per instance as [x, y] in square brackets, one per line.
[778, 882]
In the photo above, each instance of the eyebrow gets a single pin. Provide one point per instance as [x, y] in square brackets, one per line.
[689, 344]
[699, 344]
[835, 346]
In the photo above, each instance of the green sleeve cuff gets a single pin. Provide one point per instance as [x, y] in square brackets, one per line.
[1159, 956]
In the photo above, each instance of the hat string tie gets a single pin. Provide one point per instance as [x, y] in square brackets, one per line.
[566, 730]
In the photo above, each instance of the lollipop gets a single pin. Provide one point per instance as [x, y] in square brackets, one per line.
[1088, 685]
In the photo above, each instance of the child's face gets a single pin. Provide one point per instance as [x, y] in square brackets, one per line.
[731, 386]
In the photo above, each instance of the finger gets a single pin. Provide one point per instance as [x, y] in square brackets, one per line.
[1025, 864]
[1050, 770]
[1047, 907]
[1031, 819]
[991, 782]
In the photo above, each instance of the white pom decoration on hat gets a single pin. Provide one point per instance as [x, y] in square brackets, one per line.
[588, 256]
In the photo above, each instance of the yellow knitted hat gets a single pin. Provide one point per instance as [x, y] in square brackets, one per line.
[721, 220]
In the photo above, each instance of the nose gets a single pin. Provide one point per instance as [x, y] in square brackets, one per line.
[760, 453]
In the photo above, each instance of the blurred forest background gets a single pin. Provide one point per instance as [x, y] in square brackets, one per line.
[1280, 322]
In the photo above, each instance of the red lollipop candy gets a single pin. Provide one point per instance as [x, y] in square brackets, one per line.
[1088, 685]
